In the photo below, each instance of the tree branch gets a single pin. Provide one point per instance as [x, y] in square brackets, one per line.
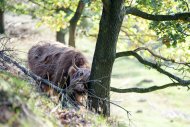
[162, 58]
[153, 65]
[178, 16]
[143, 90]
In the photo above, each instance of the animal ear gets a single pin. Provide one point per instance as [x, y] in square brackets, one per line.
[71, 71]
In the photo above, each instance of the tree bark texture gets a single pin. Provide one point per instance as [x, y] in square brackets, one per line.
[73, 23]
[104, 56]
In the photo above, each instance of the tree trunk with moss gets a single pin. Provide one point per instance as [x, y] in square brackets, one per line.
[104, 56]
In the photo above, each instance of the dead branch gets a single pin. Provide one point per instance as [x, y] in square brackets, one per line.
[66, 101]
[28, 73]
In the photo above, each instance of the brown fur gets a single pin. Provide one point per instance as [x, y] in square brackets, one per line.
[54, 62]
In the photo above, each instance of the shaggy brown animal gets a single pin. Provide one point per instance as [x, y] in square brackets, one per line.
[64, 66]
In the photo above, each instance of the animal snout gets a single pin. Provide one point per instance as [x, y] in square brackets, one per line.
[79, 88]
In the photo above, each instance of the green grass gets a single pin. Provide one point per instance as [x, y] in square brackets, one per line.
[165, 108]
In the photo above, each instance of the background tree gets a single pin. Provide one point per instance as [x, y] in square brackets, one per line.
[2, 30]
[60, 35]
[73, 23]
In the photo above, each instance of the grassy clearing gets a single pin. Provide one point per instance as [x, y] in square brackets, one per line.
[166, 108]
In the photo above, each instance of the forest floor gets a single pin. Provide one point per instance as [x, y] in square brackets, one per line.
[165, 108]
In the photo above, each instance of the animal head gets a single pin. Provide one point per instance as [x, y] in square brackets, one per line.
[79, 77]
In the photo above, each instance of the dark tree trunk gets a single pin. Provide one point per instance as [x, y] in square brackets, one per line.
[72, 34]
[60, 35]
[73, 23]
[2, 30]
[104, 56]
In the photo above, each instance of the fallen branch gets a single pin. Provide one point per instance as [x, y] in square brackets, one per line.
[66, 101]
[30, 74]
